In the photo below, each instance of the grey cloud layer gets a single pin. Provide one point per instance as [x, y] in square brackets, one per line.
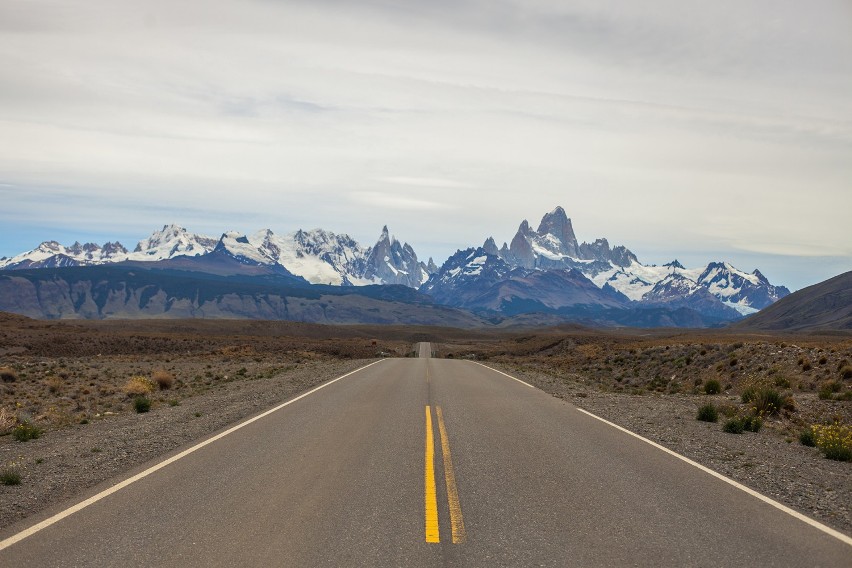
[727, 124]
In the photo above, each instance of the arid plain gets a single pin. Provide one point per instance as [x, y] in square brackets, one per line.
[76, 387]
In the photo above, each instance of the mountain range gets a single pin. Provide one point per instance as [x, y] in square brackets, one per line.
[545, 271]
[318, 256]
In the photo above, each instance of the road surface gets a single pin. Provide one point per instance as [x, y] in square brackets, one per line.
[341, 478]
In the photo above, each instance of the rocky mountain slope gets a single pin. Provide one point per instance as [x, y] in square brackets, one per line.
[545, 271]
[320, 257]
[513, 275]
[184, 288]
[826, 306]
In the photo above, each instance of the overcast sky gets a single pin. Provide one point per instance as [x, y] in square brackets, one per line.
[682, 129]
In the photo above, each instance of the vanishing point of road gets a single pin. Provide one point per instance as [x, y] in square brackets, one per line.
[422, 462]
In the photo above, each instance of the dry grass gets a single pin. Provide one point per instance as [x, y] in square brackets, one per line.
[790, 371]
[8, 375]
[138, 386]
[7, 421]
[164, 379]
[69, 373]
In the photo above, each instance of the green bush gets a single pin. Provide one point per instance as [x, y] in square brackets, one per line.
[733, 426]
[835, 441]
[25, 431]
[10, 477]
[764, 401]
[807, 438]
[752, 423]
[712, 387]
[708, 413]
[828, 389]
[141, 404]
[782, 382]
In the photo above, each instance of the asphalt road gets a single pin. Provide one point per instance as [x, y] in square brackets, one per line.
[341, 478]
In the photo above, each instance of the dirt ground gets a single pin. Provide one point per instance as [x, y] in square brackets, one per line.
[77, 383]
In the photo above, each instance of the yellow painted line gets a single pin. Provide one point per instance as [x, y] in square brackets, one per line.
[117, 487]
[456, 519]
[431, 499]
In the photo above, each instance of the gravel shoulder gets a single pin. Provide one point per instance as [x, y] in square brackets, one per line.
[769, 461]
[64, 462]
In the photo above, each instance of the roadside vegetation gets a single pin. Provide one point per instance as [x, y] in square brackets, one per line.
[787, 386]
[62, 375]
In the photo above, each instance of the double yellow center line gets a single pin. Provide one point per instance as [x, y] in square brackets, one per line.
[431, 498]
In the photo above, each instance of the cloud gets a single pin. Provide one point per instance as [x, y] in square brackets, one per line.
[427, 182]
[678, 124]
[390, 201]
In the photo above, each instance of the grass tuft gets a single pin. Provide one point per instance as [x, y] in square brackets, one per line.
[141, 404]
[25, 432]
[765, 401]
[829, 389]
[708, 413]
[712, 387]
[834, 440]
[10, 476]
[8, 375]
[734, 426]
[139, 386]
[164, 379]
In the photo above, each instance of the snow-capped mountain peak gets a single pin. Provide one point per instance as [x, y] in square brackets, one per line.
[172, 240]
[51, 254]
[238, 246]
[554, 246]
[390, 262]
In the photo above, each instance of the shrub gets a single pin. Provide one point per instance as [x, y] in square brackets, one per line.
[752, 423]
[835, 441]
[829, 388]
[10, 476]
[806, 364]
[164, 379]
[141, 404]
[782, 382]
[7, 421]
[807, 438]
[764, 401]
[733, 426]
[54, 384]
[712, 387]
[728, 410]
[8, 375]
[25, 432]
[708, 413]
[138, 386]
[846, 372]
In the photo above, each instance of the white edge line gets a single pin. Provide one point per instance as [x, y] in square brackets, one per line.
[793, 513]
[526, 384]
[121, 485]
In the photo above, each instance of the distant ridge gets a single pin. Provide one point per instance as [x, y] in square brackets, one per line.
[545, 272]
[826, 306]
